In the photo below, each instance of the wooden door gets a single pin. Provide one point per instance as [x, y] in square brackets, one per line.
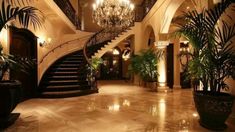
[170, 65]
[23, 43]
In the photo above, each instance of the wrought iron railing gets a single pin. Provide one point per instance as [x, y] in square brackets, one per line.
[69, 11]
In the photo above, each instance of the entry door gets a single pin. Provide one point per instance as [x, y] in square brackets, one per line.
[23, 43]
[170, 65]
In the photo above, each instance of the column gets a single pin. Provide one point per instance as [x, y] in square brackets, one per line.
[162, 69]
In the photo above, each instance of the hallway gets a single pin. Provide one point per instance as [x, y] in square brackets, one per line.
[118, 107]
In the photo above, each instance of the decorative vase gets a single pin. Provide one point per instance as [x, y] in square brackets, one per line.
[213, 109]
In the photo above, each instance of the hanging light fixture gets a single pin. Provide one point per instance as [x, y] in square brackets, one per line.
[115, 14]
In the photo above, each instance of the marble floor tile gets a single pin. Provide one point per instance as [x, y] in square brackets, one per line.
[118, 107]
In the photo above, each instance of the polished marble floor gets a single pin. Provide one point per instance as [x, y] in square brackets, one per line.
[118, 107]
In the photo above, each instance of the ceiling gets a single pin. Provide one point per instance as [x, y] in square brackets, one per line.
[185, 7]
[89, 25]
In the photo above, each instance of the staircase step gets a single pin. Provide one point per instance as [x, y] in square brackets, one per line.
[64, 73]
[66, 94]
[65, 88]
[71, 62]
[62, 77]
[61, 82]
[64, 69]
[65, 77]
[77, 55]
[67, 65]
[64, 82]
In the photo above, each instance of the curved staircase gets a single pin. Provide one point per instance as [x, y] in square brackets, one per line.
[66, 78]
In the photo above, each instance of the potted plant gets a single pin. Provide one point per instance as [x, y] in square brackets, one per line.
[10, 89]
[145, 65]
[93, 70]
[213, 61]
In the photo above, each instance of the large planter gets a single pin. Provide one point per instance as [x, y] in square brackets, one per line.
[152, 86]
[10, 93]
[213, 109]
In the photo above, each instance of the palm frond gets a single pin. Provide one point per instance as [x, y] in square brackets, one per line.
[19, 2]
[214, 14]
[26, 16]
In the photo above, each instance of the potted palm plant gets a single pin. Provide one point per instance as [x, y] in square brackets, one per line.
[145, 65]
[213, 61]
[10, 89]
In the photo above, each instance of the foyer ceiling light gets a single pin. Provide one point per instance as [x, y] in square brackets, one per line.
[113, 13]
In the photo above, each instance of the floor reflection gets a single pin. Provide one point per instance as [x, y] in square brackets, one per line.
[119, 107]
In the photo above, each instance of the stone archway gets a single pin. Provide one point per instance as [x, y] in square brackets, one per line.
[149, 37]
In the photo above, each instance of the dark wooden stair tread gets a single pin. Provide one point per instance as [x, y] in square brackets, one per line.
[64, 86]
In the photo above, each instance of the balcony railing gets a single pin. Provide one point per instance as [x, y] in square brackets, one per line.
[142, 10]
[69, 11]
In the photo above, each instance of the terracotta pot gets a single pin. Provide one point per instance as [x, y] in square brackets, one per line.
[10, 93]
[213, 109]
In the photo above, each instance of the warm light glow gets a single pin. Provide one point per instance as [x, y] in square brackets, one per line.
[116, 52]
[195, 115]
[162, 72]
[49, 40]
[126, 103]
[162, 113]
[162, 63]
[184, 125]
[43, 41]
[4, 37]
[153, 110]
[113, 13]
[114, 107]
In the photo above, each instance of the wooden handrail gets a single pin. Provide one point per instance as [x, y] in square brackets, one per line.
[61, 45]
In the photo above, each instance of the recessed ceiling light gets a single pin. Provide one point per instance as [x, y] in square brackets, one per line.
[187, 7]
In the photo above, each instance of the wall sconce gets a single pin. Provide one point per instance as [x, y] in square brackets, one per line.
[43, 42]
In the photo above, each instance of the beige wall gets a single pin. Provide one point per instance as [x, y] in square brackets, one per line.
[159, 19]
[57, 27]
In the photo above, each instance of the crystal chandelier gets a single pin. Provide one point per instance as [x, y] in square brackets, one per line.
[115, 14]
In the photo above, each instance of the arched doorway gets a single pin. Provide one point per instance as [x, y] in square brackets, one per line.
[151, 39]
[23, 43]
[111, 69]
